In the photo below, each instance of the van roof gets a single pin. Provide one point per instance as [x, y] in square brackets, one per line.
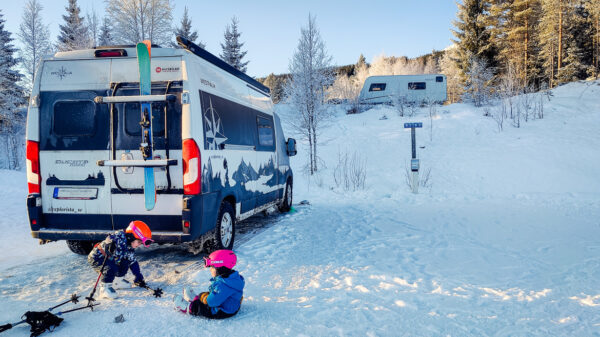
[165, 52]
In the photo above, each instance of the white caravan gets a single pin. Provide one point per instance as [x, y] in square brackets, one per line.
[220, 155]
[408, 88]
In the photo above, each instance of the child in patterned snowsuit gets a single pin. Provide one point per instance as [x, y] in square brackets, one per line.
[225, 294]
[118, 251]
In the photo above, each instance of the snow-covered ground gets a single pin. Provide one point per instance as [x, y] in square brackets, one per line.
[502, 241]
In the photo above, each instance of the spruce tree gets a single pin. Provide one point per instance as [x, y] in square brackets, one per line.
[232, 49]
[105, 38]
[73, 33]
[185, 30]
[473, 37]
[12, 95]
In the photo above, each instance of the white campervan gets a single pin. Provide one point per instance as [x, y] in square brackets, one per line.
[220, 155]
[408, 88]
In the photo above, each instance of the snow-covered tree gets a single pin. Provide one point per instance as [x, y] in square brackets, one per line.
[311, 74]
[74, 32]
[479, 76]
[138, 20]
[12, 96]
[93, 29]
[232, 49]
[105, 38]
[35, 39]
[185, 30]
[449, 68]
[276, 85]
[473, 36]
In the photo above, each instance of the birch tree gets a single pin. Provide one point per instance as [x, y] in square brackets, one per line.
[311, 73]
[138, 20]
[35, 39]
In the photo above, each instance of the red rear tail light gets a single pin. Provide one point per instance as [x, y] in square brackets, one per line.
[192, 180]
[33, 166]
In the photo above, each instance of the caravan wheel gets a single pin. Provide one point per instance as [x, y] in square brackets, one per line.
[224, 234]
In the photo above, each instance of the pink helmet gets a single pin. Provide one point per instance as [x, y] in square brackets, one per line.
[221, 258]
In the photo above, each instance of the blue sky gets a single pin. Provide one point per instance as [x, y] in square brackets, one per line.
[270, 29]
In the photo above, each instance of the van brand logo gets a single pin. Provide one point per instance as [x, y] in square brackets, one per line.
[167, 69]
[61, 73]
[72, 163]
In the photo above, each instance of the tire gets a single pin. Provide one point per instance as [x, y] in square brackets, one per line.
[286, 205]
[80, 247]
[224, 233]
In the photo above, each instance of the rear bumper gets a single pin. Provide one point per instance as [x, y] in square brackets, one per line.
[99, 235]
[95, 227]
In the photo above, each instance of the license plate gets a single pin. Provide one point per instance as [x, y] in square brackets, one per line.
[70, 193]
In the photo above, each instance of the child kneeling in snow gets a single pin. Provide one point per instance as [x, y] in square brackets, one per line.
[116, 253]
[225, 294]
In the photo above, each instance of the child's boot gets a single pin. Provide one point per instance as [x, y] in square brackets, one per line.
[188, 294]
[181, 304]
[106, 290]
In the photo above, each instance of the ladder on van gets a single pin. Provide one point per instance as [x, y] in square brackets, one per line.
[147, 142]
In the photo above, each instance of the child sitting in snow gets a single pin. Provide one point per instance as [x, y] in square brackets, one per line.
[224, 296]
[118, 252]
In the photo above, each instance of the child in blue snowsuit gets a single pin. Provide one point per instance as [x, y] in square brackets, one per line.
[225, 293]
[118, 251]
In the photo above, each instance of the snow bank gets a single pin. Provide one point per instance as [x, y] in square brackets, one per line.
[501, 241]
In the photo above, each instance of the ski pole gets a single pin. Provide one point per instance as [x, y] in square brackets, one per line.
[91, 297]
[156, 292]
[74, 299]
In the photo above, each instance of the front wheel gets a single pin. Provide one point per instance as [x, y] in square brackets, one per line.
[224, 233]
[80, 247]
[286, 205]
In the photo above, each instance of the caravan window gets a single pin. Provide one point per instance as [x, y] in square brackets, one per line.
[439, 78]
[74, 118]
[417, 86]
[377, 87]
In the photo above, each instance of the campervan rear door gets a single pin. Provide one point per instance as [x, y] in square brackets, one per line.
[74, 135]
[127, 184]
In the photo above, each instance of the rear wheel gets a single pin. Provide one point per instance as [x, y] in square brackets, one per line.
[80, 247]
[224, 233]
[286, 205]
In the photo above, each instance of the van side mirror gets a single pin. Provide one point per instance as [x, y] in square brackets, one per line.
[291, 147]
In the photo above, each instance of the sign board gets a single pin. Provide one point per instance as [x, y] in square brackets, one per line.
[413, 125]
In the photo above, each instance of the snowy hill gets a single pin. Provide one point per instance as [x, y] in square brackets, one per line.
[501, 240]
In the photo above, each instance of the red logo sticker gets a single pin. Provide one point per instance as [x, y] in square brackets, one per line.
[158, 69]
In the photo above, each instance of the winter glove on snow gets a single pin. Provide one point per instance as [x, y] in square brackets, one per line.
[141, 284]
[203, 297]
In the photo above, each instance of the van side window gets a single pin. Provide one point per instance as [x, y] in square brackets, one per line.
[74, 118]
[266, 136]
[417, 85]
[377, 87]
[226, 123]
[133, 116]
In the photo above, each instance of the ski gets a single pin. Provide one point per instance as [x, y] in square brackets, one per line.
[146, 146]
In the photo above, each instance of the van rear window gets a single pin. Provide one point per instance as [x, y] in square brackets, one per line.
[377, 87]
[74, 118]
[133, 116]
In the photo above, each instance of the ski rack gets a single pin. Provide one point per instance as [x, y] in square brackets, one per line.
[136, 99]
